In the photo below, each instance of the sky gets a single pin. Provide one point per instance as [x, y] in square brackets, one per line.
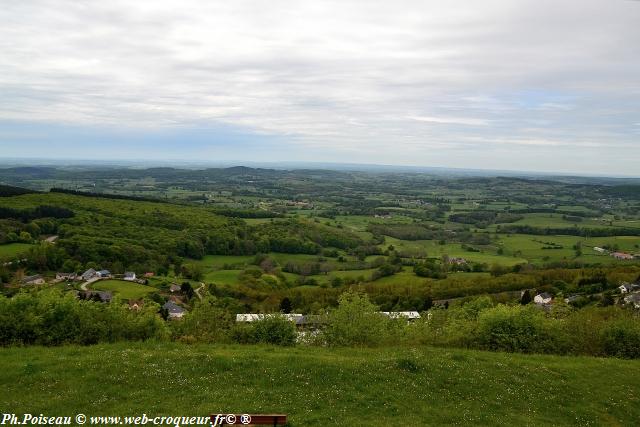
[532, 85]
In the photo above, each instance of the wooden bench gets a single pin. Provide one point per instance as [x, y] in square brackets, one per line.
[248, 419]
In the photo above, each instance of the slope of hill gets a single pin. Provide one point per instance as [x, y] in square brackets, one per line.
[373, 387]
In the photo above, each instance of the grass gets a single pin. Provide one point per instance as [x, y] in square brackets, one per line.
[11, 250]
[126, 290]
[227, 277]
[319, 387]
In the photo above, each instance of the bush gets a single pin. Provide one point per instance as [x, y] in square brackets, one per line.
[275, 330]
[513, 329]
[272, 329]
[622, 339]
[356, 322]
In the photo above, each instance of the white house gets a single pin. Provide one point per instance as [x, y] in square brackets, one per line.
[598, 249]
[253, 317]
[625, 288]
[409, 315]
[543, 298]
[130, 276]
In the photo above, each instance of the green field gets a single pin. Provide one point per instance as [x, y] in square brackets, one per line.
[125, 290]
[11, 250]
[345, 387]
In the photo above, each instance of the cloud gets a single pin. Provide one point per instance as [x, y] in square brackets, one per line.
[451, 120]
[372, 77]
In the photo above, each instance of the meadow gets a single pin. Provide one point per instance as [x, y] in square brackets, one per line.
[11, 250]
[124, 289]
[374, 387]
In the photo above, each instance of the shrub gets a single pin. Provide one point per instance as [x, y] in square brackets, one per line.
[355, 322]
[513, 329]
[274, 329]
[622, 339]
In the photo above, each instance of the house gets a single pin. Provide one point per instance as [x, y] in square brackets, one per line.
[98, 296]
[33, 280]
[625, 288]
[89, 274]
[65, 276]
[458, 261]
[135, 305]
[130, 276]
[543, 298]
[601, 250]
[622, 255]
[251, 317]
[174, 310]
[409, 315]
[175, 288]
[104, 274]
[149, 274]
[633, 299]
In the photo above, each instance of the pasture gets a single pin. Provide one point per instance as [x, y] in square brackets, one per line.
[319, 387]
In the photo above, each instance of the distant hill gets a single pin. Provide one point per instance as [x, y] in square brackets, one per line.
[9, 190]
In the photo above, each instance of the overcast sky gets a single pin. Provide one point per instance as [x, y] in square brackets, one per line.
[525, 85]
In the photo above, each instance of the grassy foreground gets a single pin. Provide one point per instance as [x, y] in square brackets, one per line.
[319, 387]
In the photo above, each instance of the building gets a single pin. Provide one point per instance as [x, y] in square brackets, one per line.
[601, 250]
[98, 296]
[65, 276]
[458, 261]
[33, 280]
[129, 275]
[251, 317]
[174, 310]
[625, 288]
[135, 305]
[633, 299]
[409, 315]
[543, 298]
[175, 288]
[89, 274]
[622, 255]
[104, 274]
[149, 274]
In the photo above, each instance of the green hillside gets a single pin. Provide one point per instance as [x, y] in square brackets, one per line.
[373, 387]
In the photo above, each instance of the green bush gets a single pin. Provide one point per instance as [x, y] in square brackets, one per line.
[276, 330]
[356, 322]
[622, 339]
[513, 329]
[273, 329]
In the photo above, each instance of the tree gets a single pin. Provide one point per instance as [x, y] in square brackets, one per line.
[526, 297]
[285, 305]
[187, 289]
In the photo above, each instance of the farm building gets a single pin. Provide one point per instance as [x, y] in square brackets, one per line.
[130, 276]
[633, 299]
[543, 298]
[89, 274]
[104, 274]
[65, 276]
[409, 315]
[252, 317]
[33, 280]
[625, 288]
[622, 255]
[99, 296]
[174, 310]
